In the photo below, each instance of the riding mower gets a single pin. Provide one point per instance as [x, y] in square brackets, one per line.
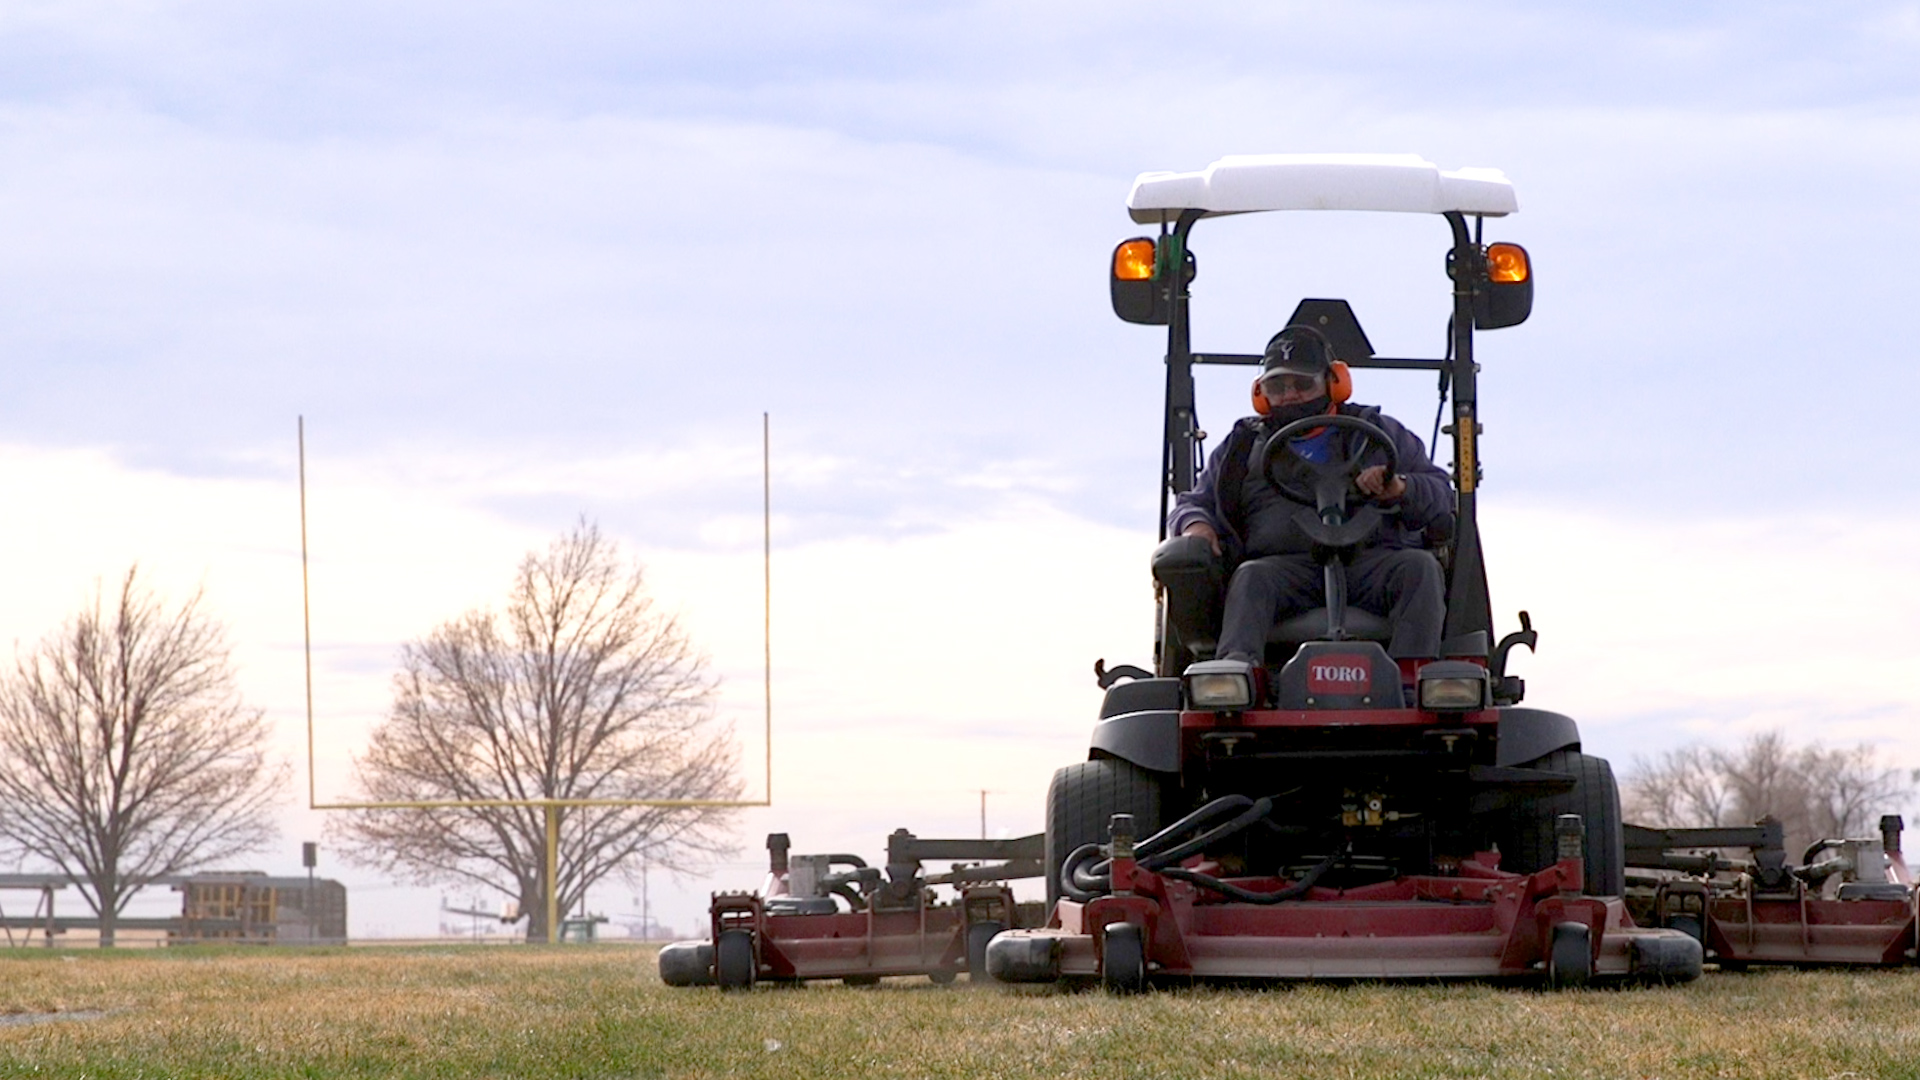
[1328, 811]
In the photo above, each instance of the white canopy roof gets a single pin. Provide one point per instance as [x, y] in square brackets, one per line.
[1407, 183]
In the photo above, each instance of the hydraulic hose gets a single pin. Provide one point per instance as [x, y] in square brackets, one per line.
[1075, 882]
[1085, 873]
[1225, 804]
[1227, 888]
[1171, 857]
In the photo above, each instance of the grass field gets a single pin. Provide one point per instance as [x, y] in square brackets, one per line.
[600, 1012]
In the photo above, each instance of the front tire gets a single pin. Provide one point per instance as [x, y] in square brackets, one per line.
[978, 935]
[1570, 956]
[1123, 959]
[1530, 844]
[1689, 925]
[733, 966]
[1081, 803]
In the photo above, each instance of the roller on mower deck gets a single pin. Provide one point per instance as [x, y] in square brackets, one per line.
[835, 917]
[1329, 811]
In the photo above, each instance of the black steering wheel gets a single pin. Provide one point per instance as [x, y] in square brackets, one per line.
[1332, 479]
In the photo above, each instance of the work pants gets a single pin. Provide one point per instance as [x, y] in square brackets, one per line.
[1402, 584]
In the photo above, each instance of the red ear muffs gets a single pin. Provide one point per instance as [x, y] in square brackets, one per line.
[1339, 382]
[1339, 388]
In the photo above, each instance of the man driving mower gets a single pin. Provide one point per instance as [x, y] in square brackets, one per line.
[1249, 522]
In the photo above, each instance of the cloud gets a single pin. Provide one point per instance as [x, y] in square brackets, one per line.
[539, 288]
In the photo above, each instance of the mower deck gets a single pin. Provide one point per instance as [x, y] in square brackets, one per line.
[927, 939]
[892, 925]
[1481, 924]
[1859, 909]
[1803, 931]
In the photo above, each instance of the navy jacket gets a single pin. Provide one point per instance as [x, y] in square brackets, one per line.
[1216, 499]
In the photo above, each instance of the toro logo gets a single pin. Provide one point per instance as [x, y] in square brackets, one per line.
[1339, 673]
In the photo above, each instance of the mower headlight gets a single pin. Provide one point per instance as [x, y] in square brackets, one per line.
[1220, 685]
[1453, 686]
[1220, 692]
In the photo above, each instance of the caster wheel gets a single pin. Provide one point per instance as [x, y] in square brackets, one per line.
[977, 937]
[1570, 957]
[1688, 925]
[1123, 959]
[733, 965]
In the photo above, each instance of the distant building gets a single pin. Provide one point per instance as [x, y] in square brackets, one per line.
[236, 906]
[249, 906]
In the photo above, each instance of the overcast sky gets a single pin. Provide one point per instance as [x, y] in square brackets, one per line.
[521, 263]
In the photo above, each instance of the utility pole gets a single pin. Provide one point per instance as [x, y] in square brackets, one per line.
[983, 810]
[310, 855]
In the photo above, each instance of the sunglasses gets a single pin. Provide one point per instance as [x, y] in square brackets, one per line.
[1291, 384]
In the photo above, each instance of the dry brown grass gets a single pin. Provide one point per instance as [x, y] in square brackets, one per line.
[600, 1012]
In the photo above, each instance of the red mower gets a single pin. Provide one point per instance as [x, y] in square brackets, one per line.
[1328, 811]
[834, 917]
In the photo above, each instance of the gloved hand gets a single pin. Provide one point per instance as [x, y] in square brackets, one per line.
[1373, 480]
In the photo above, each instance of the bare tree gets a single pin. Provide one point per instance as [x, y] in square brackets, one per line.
[580, 689]
[1683, 785]
[126, 753]
[1768, 777]
[1849, 789]
[1814, 792]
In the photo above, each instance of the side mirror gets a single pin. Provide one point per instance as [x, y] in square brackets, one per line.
[1138, 283]
[1505, 295]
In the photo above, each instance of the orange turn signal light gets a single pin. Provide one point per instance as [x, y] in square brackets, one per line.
[1507, 264]
[1133, 261]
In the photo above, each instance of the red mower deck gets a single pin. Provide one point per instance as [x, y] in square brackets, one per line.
[1480, 923]
[855, 925]
[1851, 902]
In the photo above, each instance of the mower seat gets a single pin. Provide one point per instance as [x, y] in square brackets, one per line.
[1312, 626]
[1195, 581]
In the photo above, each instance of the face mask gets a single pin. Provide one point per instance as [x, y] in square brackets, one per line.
[1282, 415]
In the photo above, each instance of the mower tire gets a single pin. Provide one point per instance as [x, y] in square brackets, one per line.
[1123, 959]
[1529, 843]
[1689, 925]
[733, 966]
[1081, 803]
[1570, 956]
[978, 935]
